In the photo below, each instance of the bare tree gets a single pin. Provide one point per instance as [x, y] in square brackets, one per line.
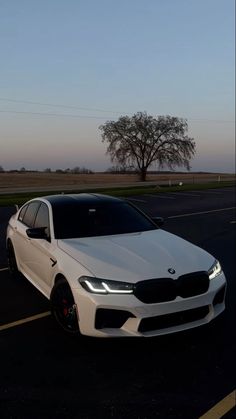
[141, 140]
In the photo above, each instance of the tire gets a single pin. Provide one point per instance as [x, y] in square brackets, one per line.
[63, 307]
[11, 260]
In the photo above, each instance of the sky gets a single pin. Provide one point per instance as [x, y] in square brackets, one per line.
[68, 66]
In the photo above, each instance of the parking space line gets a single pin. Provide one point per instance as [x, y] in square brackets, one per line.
[221, 408]
[184, 194]
[160, 196]
[225, 190]
[201, 212]
[212, 193]
[3, 269]
[26, 320]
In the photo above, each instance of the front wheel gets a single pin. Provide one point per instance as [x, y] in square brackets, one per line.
[63, 307]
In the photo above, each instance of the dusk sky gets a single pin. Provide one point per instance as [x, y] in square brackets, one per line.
[68, 66]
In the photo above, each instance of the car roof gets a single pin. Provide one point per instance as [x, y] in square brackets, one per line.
[81, 198]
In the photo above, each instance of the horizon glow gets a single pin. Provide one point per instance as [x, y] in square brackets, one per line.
[105, 60]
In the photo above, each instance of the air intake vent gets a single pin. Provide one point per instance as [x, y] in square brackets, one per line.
[174, 319]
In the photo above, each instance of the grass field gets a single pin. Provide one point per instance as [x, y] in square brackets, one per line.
[17, 188]
[40, 179]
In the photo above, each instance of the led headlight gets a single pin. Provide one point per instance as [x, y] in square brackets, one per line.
[215, 270]
[105, 286]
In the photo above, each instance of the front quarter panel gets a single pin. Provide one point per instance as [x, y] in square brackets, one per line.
[70, 268]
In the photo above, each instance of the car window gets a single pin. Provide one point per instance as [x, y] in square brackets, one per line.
[30, 213]
[42, 218]
[22, 212]
[84, 220]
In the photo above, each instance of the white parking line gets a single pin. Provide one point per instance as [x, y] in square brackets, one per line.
[184, 194]
[224, 190]
[26, 320]
[201, 212]
[212, 193]
[3, 269]
[160, 196]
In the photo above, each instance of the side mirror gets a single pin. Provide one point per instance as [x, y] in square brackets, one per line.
[37, 233]
[159, 221]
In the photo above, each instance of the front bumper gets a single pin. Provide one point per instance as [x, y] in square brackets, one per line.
[124, 315]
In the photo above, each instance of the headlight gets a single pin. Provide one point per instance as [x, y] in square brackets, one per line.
[105, 286]
[215, 270]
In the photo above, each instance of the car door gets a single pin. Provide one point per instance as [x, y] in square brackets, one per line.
[40, 259]
[21, 241]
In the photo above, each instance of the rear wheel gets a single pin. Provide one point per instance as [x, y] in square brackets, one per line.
[11, 260]
[63, 307]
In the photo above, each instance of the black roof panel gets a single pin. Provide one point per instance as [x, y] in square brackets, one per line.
[83, 198]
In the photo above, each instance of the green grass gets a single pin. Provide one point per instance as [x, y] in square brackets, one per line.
[21, 198]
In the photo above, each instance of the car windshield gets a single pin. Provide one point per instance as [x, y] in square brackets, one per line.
[87, 220]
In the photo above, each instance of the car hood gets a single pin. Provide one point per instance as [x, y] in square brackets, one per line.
[136, 256]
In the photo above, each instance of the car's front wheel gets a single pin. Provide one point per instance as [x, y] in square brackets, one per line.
[63, 307]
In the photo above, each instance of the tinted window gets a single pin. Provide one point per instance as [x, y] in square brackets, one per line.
[22, 213]
[88, 220]
[30, 213]
[42, 218]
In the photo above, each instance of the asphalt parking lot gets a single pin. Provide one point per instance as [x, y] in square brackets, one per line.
[46, 374]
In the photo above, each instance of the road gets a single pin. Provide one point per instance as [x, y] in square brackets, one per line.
[45, 373]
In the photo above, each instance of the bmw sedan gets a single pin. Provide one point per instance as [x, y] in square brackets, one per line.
[110, 270]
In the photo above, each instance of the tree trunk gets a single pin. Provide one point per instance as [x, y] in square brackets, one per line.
[143, 174]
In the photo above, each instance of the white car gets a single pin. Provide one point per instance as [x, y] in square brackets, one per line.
[109, 270]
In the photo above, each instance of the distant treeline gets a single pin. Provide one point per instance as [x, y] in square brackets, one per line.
[80, 170]
[84, 170]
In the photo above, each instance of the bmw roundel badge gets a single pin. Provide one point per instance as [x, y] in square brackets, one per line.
[171, 271]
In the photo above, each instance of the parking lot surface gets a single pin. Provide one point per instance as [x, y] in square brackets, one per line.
[46, 374]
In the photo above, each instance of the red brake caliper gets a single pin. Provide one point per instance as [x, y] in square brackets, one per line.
[65, 309]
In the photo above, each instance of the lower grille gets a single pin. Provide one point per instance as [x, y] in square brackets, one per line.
[111, 318]
[173, 319]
